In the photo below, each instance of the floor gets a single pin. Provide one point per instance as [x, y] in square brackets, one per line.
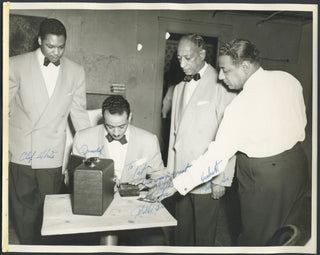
[228, 226]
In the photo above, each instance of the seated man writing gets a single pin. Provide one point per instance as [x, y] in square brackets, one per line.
[135, 152]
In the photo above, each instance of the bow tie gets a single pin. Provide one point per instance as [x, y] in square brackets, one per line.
[46, 62]
[110, 139]
[188, 78]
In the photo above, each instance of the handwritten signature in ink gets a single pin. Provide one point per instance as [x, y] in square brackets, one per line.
[205, 176]
[206, 188]
[162, 189]
[30, 155]
[176, 173]
[84, 150]
[139, 170]
[147, 209]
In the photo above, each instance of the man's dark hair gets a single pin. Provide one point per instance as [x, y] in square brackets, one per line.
[196, 39]
[240, 50]
[52, 26]
[116, 104]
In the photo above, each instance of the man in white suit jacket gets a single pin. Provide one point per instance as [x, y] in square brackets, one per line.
[197, 109]
[44, 88]
[136, 152]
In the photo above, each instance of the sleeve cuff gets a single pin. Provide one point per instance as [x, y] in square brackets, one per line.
[183, 184]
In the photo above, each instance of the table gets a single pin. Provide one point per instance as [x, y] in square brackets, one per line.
[124, 213]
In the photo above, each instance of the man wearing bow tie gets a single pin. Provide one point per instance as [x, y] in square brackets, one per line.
[135, 152]
[197, 109]
[45, 88]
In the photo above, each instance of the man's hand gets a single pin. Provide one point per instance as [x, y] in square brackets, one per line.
[163, 189]
[142, 183]
[66, 178]
[217, 191]
[153, 179]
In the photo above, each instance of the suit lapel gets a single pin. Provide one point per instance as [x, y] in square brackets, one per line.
[186, 110]
[179, 108]
[131, 145]
[101, 141]
[200, 92]
[125, 176]
[59, 94]
[39, 90]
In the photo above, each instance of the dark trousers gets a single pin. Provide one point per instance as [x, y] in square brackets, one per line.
[271, 190]
[197, 217]
[27, 190]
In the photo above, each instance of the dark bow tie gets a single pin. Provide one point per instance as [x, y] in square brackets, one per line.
[110, 139]
[188, 78]
[46, 62]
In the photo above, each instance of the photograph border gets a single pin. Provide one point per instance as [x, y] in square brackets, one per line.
[310, 247]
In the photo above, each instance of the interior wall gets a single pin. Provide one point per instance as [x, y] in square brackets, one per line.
[105, 42]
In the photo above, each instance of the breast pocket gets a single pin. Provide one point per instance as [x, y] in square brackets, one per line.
[71, 93]
[205, 116]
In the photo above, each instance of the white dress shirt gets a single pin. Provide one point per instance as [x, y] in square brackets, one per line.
[118, 152]
[50, 73]
[190, 86]
[266, 118]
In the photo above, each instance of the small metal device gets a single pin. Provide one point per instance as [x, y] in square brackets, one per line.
[128, 190]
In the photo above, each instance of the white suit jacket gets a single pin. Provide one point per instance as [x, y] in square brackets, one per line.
[195, 126]
[143, 153]
[37, 122]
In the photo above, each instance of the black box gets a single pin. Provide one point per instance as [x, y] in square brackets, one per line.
[93, 186]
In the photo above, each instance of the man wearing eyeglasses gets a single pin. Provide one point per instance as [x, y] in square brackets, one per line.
[135, 152]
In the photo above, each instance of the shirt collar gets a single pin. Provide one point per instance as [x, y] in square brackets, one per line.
[40, 56]
[251, 80]
[203, 69]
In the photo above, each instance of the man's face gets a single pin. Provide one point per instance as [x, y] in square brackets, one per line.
[116, 124]
[234, 76]
[191, 58]
[52, 46]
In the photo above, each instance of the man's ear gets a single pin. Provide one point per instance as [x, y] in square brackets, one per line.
[39, 40]
[246, 65]
[203, 54]
[130, 117]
